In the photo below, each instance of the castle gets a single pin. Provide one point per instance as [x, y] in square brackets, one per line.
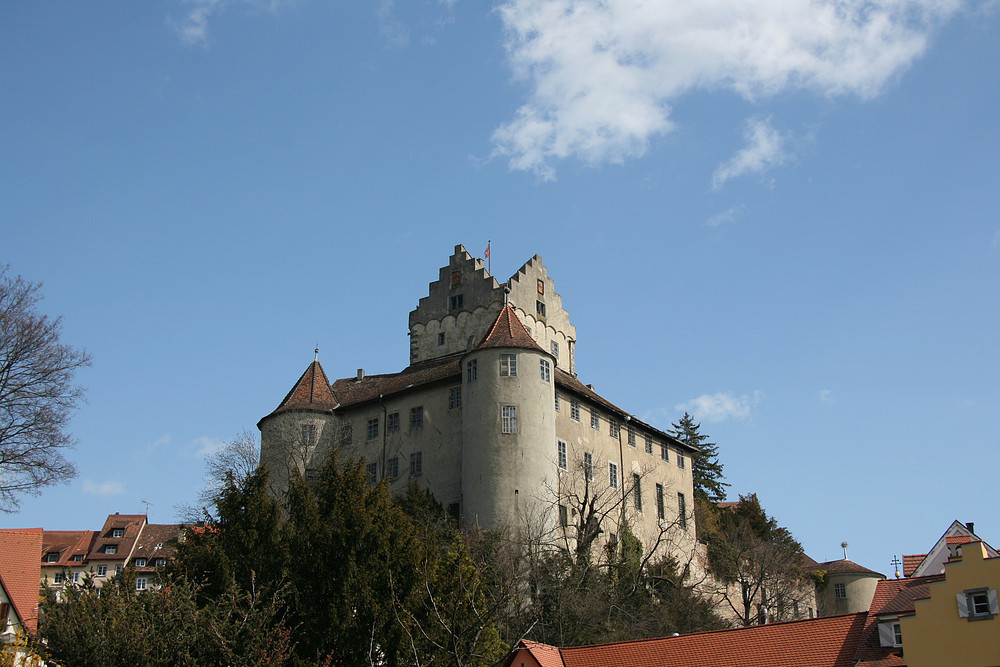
[491, 418]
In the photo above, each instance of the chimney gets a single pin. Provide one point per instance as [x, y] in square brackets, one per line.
[361, 374]
[971, 526]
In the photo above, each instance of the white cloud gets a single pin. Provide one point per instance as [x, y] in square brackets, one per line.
[202, 447]
[151, 447]
[604, 74]
[192, 28]
[826, 396]
[721, 406]
[103, 488]
[726, 217]
[394, 31]
[764, 149]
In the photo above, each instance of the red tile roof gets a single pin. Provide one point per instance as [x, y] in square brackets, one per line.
[508, 331]
[21, 570]
[130, 524]
[844, 566]
[893, 597]
[817, 642]
[67, 543]
[351, 391]
[157, 541]
[311, 392]
[911, 563]
[959, 539]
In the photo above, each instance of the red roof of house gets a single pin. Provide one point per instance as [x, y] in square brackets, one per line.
[818, 642]
[911, 563]
[844, 566]
[130, 524]
[893, 597]
[21, 570]
[67, 543]
[311, 392]
[508, 331]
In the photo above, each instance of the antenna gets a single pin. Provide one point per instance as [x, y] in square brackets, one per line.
[147, 504]
[843, 545]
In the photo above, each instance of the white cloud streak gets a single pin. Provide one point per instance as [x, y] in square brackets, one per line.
[103, 488]
[721, 406]
[192, 27]
[604, 73]
[729, 216]
[764, 149]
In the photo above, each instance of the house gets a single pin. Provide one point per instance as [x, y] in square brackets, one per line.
[19, 573]
[933, 562]
[844, 587]
[491, 417]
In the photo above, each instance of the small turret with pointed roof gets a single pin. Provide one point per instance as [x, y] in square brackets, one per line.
[508, 331]
[310, 393]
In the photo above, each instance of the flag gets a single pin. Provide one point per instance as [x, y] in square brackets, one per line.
[487, 255]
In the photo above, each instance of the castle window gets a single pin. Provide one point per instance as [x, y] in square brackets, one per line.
[563, 516]
[595, 420]
[840, 591]
[392, 467]
[637, 491]
[392, 422]
[139, 562]
[664, 452]
[441, 339]
[574, 410]
[416, 463]
[454, 397]
[456, 302]
[508, 419]
[660, 510]
[308, 434]
[544, 370]
[347, 434]
[557, 402]
[541, 286]
[561, 448]
[471, 372]
[508, 364]
[588, 466]
[140, 583]
[540, 308]
[613, 429]
[417, 417]
[682, 517]
[102, 570]
[456, 277]
[680, 460]
[631, 436]
[371, 428]
[554, 346]
[649, 444]
[372, 470]
[613, 475]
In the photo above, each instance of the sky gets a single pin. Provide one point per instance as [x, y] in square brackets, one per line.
[779, 216]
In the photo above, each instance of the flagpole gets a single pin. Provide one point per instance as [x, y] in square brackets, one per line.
[489, 260]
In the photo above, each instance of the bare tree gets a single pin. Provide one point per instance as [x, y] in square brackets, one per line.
[236, 460]
[37, 394]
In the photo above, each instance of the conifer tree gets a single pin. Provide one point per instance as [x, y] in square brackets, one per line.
[706, 469]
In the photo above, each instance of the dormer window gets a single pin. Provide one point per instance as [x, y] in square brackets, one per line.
[139, 562]
[52, 557]
[160, 562]
[78, 558]
[117, 532]
[110, 549]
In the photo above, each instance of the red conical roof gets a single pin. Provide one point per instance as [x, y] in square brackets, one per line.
[312, 392]
[508, 331]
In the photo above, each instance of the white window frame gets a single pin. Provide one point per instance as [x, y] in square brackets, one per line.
[102, 570]
[139, 562]
[111, 549]
[544, 370]
[595, 420]
[140, 583]
[371, 429]
[508, 365]
[508, 419]
[561, 454]
[613, 474]
[117, 533]
[840, 591]
[554, 346]
[574, 410]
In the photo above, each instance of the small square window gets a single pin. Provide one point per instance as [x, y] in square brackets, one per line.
[561, 447]
[540, 308]
[416, 463]
[456, 302]
[392, 467]
[52, 557]
[840, 591]
[574, 410]
[454, 397]
[508, 419]
[979, 604]
[595, 420]
[111, 549]
[59, 577]
[371, 469]
[417, 417]
[471, 373]
[613, 475]
[117, 532]
[140, 583]
[508, 364]
[78, 558]
[554, 346]
[441, 338]
[392, 422]
[102, 570]
[139, 562]
[544, 370]
[588, 466]
[371, 428]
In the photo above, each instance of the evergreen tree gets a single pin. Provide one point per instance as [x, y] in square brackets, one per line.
[706, 469]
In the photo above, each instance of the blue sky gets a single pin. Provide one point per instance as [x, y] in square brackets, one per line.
[782, 217]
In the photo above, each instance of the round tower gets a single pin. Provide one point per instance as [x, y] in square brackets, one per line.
[508, 429]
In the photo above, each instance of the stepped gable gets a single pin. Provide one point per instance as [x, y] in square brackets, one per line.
[844, 566]
[508, 331]
[20, 571]
[478, 287]
[893, 597]
[311, 392]
[352, 391]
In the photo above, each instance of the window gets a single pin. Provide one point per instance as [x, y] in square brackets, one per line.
[52, 557]
[637, 491]
[840, 591]
[140, 583]
[661, 512]
[897, 634]
[417, 417]
[392, 467]
[544, 370]
[160, 562]
[416, 463]
[456, 301]
[613, 475]
[664, 452]
[680, 460]
[595, 420]
[118, 570]
[110, 549]
[649, 444]
[471, 372]
[889, 634]
[508, 419]
[456, 277]
[392, 422]
[978, 604]
[561, 447]
[346, 434]
[682, 516]
[454, 397]
[78, 558]
[631, 436]
[613, 429]
[540, 308]
[102, 570]
[371, 428]
[75, 577]
[372, 470]
[441, 338]
[59, 577]
[308, 436]
[508, 364]
[588, 466]
[563, 516]
[541, 286]
[117, 532]
[574, 410]
[557, 402]
[554, 346]
[139, 562]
